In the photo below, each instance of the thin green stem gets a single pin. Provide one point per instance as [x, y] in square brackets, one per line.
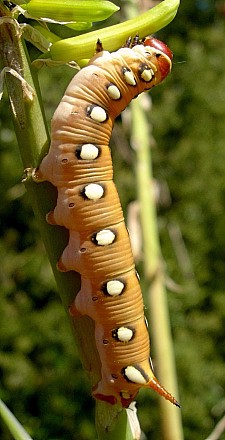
[159, 314]
[12, 423]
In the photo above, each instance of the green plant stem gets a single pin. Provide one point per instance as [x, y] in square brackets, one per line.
[113, 423]
[159, 314]
[12, 423]
[33, 141]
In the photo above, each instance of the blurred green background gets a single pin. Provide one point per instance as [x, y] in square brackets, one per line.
[41, 378]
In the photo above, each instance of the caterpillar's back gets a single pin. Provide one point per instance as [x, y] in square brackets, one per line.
[79, 165]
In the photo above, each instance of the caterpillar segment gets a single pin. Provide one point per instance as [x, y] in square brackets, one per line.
[79, 164]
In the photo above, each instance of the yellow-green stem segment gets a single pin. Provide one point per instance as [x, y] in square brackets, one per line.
[14, 426]
[157, 299]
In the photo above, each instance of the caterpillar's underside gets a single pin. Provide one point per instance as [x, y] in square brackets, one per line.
[79, 165]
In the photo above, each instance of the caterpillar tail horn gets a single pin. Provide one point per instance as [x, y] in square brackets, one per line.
[156, 386]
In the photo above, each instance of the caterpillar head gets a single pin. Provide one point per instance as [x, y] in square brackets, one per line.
[162, 52]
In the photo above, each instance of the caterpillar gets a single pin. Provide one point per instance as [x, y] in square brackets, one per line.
[79, 165]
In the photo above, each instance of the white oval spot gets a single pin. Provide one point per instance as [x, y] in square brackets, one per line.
[113, 91]
[93, 191]
[114, 287]
[97, 113]
[124, 334]
[134, 375]
[147, 74]
[105, 237]
[89, 152]
[129, 77]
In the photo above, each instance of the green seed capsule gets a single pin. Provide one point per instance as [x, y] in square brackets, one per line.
[70, 10]
[113, 37]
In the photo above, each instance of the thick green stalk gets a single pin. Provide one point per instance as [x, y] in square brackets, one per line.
[33, 141]
[159, 315]
[113, 423]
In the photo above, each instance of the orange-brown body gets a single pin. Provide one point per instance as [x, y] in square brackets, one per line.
[79, 164]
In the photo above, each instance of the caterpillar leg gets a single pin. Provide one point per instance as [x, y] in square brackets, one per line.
[71, 256]
[99, 47]
[83, 303]
[131, 42]
[37, 175]
[50, 218]
[73, 310]
[32, 173]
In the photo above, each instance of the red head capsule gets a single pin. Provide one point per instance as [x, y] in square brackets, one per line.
[164, 63]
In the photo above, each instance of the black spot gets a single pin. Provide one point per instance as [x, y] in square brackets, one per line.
[143, 67]
[125, 69]
[105, 341]
[114, 376]
[89, 109]
[124, 375]
[110, 84]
